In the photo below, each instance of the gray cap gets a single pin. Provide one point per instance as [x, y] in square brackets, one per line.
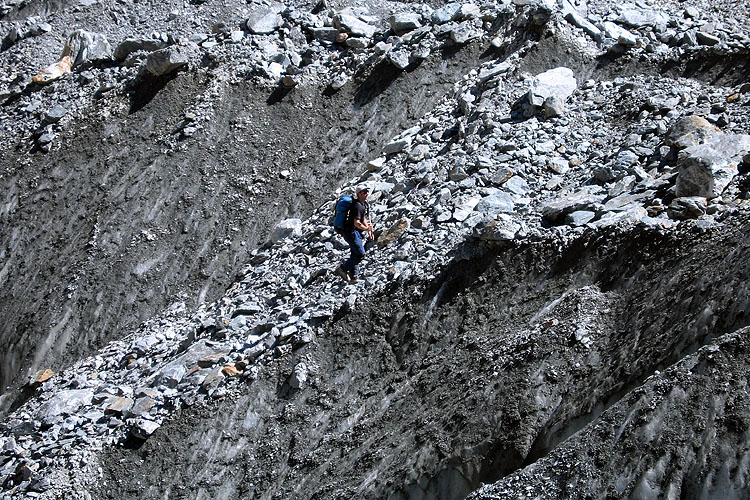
[363, 187]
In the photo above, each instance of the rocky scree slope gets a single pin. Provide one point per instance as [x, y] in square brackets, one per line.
[155, 188]
[552, 236]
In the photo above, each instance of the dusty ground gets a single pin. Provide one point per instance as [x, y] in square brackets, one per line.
[102, 235]
[507, 355]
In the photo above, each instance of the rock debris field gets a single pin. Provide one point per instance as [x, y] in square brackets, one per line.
[554, 305]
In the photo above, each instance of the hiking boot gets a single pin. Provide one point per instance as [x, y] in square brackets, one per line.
[343, 274]
[352, 278]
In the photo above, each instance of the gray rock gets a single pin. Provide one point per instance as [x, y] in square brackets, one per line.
[559, 83]
[503, 228]
[288, 228]
[404, 22]
[265, 20]
[464, 33]
[325, 34]
[446, 13]
[707, 38]
[165, 61]
[171, 375]
[299, 376]
[687, 207]
[55, 114]
[706, 169]
[397, 145]
[9, 39]
[579, 218]
[64, 403]
[690, 131]
[142, 428]
[612, 30]
[517, 185]
[497, 203]
[83, 47]
[576, 19]
[130, 45]
[399, 58]
[354, 25]
[554, 107]
[640, 17]
[584, 198]
[141, 407]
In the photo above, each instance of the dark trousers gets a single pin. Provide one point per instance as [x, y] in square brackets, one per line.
[354, 239]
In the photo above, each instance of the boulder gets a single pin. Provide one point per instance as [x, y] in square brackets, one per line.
[404, 22]
[503, 228]
[582, 199]
[353, 25]
[264, 20]
[394, 232]
[130, 45]
[690, 131]
[167, 60]
[494, 204]
[558, 82]
[84, 47]
[64, 403]
[142, 428]
[687, 207]
[285, 229]
[446, 13]
[706, 169]
[576, 19]
[636, 17]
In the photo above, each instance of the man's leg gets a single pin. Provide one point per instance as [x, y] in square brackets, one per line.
[357, 253]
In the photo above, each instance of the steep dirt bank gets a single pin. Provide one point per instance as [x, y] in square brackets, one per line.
[426, 394]
[124, 221]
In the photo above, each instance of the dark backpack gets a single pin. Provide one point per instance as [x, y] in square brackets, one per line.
[342, 210]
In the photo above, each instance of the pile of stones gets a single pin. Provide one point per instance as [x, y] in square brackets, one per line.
[507, 156]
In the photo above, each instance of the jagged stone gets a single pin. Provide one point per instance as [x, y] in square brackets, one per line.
[288, 228]
[265, 19]
[119, 406]
[394, 232]
[642, 17]
[687, 207]
[142, 428]
[690, 131]
[130, 45]
[582, 199]
[172, 375]
[706, 169]
[299, 376]
[354, 25]
[558, 83]
[53, 71]
[497, 203]
[64, 403]
[167, 60]
[446, 13]
[84, 47]
[404, 22]
[503, 228]
[41, 377]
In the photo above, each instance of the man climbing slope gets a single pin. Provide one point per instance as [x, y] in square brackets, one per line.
[357, 223]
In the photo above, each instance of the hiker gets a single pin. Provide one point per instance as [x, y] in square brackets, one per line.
[357, 222]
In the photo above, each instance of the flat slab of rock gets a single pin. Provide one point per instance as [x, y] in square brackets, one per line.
[582, 199]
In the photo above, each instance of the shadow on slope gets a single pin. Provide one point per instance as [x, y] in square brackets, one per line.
[507, 354]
